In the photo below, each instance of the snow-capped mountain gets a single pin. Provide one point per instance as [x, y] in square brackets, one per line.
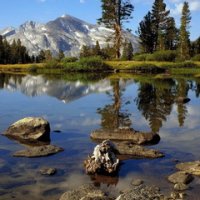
[66, 33]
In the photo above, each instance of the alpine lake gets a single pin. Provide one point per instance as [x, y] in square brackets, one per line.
[77, 104]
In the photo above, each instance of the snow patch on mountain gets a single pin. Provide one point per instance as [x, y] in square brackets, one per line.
[65, 33]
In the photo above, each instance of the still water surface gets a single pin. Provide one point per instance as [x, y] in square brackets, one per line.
[80, 106]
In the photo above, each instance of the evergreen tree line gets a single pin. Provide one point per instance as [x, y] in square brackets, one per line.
[158, 32]
[13, 53]
[108, 52]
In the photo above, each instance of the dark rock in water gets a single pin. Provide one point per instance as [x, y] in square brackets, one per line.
[181, 177]
[86, 192]
[135, 137]
[103, 159]
[127, 148]
[142, 192]
[48, 171]
[182, 100]
[137, 182]
[57, 131]
[190, 167]
[38, 151]
[30, 129]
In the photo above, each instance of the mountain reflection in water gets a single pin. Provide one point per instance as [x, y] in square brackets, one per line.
[143, 103]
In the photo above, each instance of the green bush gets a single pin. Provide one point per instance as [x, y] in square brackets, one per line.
[167, 55]
[92, 64]
[86, 64]
[196, 57]
[53, 63]
[140, 57]
[69, 59]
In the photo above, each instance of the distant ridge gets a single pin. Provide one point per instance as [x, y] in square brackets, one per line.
[66, 33]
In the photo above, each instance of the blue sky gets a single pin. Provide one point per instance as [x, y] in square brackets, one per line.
[16, 12]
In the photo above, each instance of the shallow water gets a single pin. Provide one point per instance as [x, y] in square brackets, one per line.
[78, 107]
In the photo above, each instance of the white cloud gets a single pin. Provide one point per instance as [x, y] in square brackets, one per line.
[177, 6]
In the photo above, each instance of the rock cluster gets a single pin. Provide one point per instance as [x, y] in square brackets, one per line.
[182, 178]
[86, 192]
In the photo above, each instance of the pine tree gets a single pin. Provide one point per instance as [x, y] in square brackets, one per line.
[114, 14]
[146, 34]
[61, 55]
[160, 18]
[85, 51]
[127, 51]
[1, 50]
[171, 38]
[184, 41]
[41, 56]
[97, 49]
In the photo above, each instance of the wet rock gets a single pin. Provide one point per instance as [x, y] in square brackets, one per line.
[38, 151]
[181, 177]
[177, 196]
[30, 129]
[180, 186]
[128, 148]
[103, 159]
[48, 171]
[142, 192]
[86, 192]
[126, 135]
[190, 167]
[182, 100]
[137, 182]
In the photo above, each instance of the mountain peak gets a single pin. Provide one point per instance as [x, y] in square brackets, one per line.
[66, 33]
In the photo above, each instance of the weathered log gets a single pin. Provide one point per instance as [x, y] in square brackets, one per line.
[103, 159]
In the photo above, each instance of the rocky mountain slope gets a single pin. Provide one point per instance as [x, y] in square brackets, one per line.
[66, 33]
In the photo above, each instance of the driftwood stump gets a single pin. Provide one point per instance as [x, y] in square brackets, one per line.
[103, 160]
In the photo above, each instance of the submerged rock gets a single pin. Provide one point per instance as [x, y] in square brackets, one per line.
[38, 151]
[86, 192]
[30, 129]
[142, 192]
[103, 159]
[190, 167]
[135, 137]
[181, 177]
[48, 171]
[127, 148]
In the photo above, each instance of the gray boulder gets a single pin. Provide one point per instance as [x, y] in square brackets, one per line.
[38, 151]
[30, 129]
